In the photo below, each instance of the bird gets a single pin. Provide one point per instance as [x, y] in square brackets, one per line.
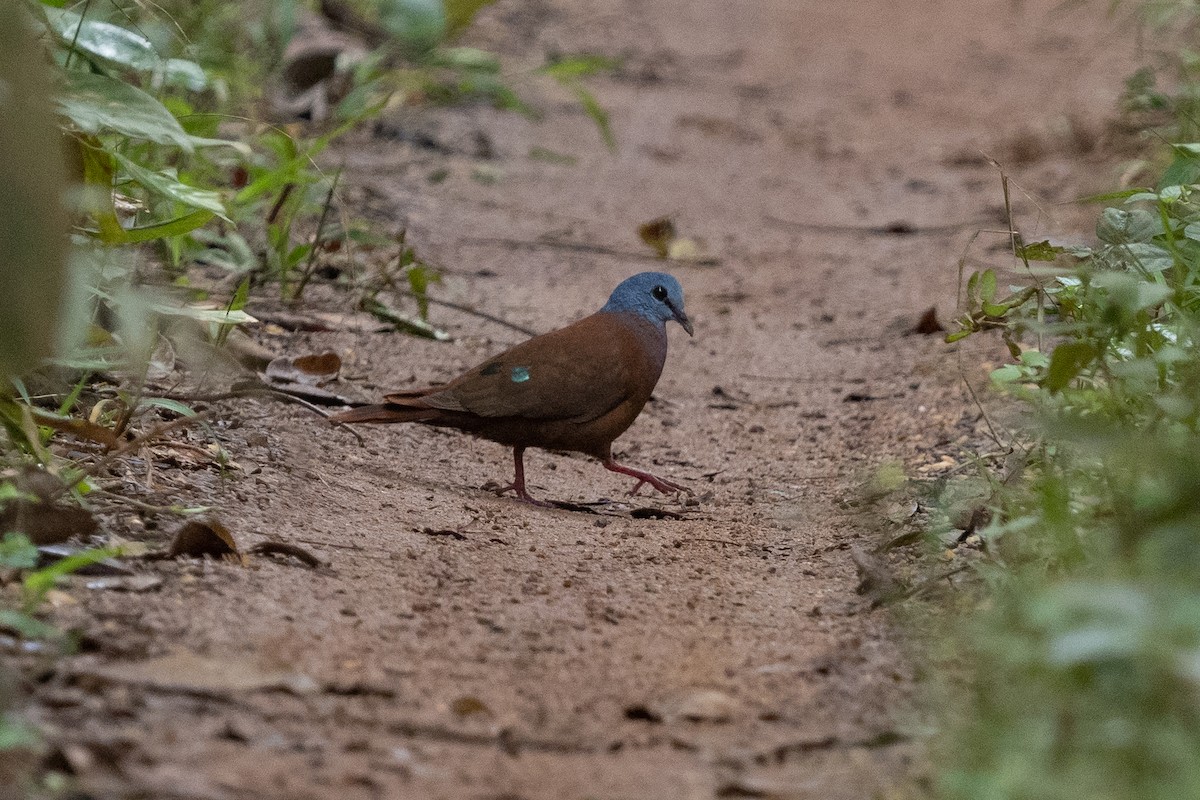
[574, 389]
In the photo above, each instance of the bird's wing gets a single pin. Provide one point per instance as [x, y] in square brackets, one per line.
[578, 373]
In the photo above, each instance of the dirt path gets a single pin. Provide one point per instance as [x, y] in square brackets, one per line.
[554, 654]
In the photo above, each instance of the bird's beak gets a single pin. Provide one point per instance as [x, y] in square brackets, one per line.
[681, 318]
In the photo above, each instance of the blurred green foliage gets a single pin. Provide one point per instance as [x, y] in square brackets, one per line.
[1077, 674]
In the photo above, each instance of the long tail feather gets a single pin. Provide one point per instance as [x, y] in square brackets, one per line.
[387, 413]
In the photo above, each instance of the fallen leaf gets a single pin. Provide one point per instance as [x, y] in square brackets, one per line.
[928, 324]
[310, 370]
[204, 537]
[658, 234]
[466, 706]
[642, 712]
[663, 238]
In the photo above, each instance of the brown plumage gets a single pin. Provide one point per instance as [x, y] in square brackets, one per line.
[576, 389]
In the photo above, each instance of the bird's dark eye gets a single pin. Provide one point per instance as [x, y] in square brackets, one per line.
[659, 293]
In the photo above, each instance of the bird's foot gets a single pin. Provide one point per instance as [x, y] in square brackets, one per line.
[661, 484]
[519, 490]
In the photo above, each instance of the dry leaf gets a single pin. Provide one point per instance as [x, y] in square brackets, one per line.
[928, 324]
[311, 370]
[466, 706]
[658, 234]
[204, 537]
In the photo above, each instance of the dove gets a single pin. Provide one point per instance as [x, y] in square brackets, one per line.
[575, 389]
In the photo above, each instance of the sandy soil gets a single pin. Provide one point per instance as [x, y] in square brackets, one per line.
[460, 645]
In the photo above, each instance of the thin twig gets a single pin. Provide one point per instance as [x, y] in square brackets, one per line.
[316, 245]
[389, 282]
[139, 504]
[473, 312]
[978, 404]
[265, 391]
[893, 229]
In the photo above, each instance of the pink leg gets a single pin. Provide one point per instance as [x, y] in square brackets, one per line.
[662, 484]
[517, 487]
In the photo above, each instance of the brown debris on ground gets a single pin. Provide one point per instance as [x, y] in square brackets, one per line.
[406, 634]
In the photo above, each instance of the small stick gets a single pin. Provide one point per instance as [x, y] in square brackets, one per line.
[893, 229]
[265, 391]
[316, 245]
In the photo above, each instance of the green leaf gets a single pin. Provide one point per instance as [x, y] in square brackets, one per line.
[241, 296]
[1118, 226]
[1034, 358]
[168, 404]
[16, 551]
[28, 627]
[987, 286]
[419, 277]
[102, 41]
[1009, 373]
[416, 327]
[1066, 362]
[598, 115]
[36, 584]
[951, 338]
[1108, 197]
[570, 68]
[166, 229]
[1183, 170]
[470, 58]
[98, 103]
[1146, 256]
[168, 185]
[184, 74]
[1041, 251]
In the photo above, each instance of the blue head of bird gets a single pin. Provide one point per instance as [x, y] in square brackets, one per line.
[656, 296]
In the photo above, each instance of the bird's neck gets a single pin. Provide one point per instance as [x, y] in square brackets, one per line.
[651, 335]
